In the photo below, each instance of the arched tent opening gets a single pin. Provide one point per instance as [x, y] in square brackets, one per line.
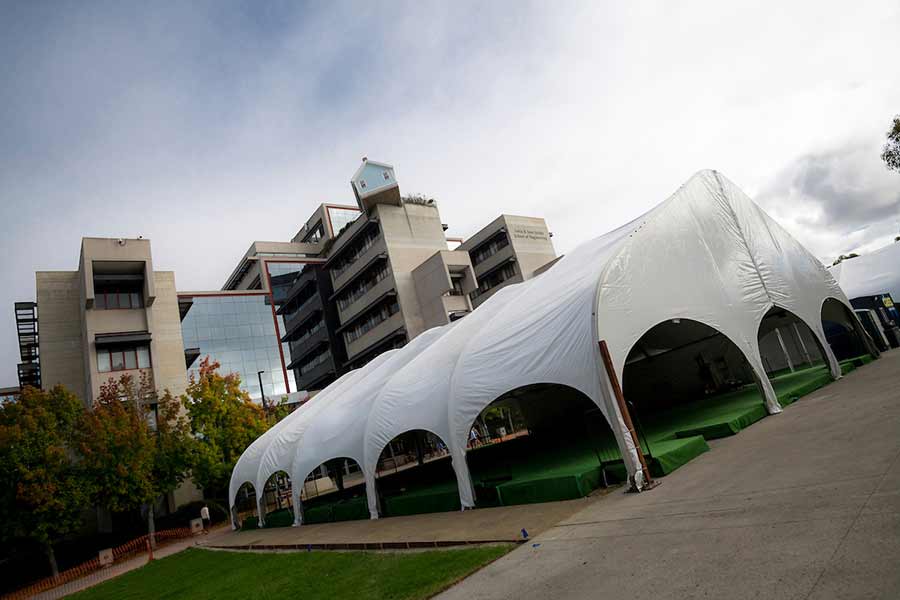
[793, 357]
[541, 443]
[414, 475]
[277, 500]
[334, 491]
[845, 335]
[684, 383]
[244, 514]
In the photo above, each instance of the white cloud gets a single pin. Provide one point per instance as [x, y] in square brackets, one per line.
[232, 126]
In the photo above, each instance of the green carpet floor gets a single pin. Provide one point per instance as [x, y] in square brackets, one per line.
[527, 470]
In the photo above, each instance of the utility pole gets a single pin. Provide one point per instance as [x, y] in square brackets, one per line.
[263, 394]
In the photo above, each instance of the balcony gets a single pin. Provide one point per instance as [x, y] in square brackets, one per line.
[292, 323]
[376, 293]
[310, 380]
[301, 348]
[307, 277]
[363, 261]
[375, 335]
[491, 262]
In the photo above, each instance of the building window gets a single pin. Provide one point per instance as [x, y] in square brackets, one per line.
[123, 359]
[316, 234]
[107, 297]
[314, 362]
[370, 321]
[352, 254]
[363, 287]
[494, 279]
[487, 250]
[456, 279]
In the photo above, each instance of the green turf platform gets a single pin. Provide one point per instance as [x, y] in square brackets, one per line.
[854, 363]
[439, 497]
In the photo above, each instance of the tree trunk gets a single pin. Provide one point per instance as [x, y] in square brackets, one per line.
[151, 525]
[51, 558]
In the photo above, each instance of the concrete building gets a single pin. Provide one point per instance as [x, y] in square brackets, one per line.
[114, 314]
[292, 316]
[509, 250]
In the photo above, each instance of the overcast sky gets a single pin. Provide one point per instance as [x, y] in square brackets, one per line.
[206, 126]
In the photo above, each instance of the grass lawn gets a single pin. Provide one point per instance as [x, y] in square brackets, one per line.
[197, 573]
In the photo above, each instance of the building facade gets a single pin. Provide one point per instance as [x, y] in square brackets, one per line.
[293, 316]
[114, 314]
[511, 249]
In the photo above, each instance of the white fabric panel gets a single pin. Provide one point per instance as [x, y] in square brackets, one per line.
[546, 335]
[707, 253]
[877, 272]
[417, 396]
[340, 426]
[279, 453]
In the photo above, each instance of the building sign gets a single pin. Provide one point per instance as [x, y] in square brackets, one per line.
[529, 233]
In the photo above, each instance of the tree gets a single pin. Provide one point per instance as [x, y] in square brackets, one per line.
[117, 446]
[174, 448]
[891, 152]
[224, 421]
[42, 488]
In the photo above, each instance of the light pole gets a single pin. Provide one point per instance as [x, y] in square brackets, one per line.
[262, 393]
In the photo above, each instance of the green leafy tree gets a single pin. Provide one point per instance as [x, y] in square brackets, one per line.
[174, 445]
[42, 488]
[117, 446]
[224, 421]
[891, 152]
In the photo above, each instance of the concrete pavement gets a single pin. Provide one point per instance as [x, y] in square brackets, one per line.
[501, 524]
[805, 505]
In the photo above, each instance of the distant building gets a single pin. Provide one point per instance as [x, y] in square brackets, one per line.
[293, 316]
[509, 250]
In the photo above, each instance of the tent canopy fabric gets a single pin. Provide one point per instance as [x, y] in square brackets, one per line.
[870, 274]
[707, 253]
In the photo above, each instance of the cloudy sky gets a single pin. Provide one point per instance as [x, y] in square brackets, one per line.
[206, 126]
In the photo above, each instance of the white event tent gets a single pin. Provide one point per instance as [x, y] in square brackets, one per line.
[707, 253]
[874, 273]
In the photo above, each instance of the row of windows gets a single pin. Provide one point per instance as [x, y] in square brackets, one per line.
[116, 299]
[358, 249]
[123, 359]
[307, 302]
[363, 287]
[494, 279]
[315, 234]
[484, 252]
[372, 320]
[314, 362]
[299, 341]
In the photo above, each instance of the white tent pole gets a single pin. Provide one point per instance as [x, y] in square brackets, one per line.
[787, 356]
[802, 344]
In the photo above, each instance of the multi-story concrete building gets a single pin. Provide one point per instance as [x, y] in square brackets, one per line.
[114, 314]
[292, 316]
[509, 250]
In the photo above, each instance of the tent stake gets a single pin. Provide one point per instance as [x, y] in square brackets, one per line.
[626, 416]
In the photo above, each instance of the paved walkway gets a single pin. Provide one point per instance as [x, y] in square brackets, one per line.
[804, 505]
[484, 525]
